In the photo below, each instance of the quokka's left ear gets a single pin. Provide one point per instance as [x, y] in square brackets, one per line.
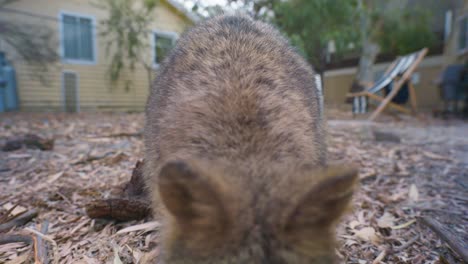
[196, 200]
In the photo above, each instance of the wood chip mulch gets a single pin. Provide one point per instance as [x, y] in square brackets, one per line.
[413, 174]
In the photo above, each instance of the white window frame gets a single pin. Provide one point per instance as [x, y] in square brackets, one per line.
[62, 79]
[168, 34]
[448, 24]
[464, 50]
[62, 13]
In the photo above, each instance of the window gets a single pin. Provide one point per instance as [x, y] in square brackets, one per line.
[162, 45]
[463, 35]
[78, 38]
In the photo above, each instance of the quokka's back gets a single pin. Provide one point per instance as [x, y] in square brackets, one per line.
[235, 151]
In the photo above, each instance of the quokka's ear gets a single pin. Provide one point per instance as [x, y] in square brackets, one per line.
[196, 200]
[323, 203]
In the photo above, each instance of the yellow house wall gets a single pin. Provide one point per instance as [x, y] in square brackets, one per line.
[338, 82]
[95, 91]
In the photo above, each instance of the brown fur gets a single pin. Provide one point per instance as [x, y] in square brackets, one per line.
[236, 153]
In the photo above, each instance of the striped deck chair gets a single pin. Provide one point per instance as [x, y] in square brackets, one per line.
[396, 75]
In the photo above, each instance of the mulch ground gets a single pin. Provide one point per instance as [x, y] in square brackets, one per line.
[410, 171]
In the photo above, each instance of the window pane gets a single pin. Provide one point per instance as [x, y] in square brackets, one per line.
[163, 45]
[70, 37]
[86, 39]
[77, 38]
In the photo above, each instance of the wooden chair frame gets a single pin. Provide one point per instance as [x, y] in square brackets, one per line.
[398, 84]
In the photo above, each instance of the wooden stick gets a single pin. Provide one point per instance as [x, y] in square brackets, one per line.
[398, 85]
[380, 99]
[412, 94]
[123, 134]
[91, 158]
[49, 239]
[119, 209]
[19, 220]
[393, 105]
[458, 246]
[5, 217]
[30, 141]
[380, 257]
[406, 245]
[40, 248]
[9, 238]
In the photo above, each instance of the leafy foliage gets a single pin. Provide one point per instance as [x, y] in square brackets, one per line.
[407, 32]
[311, 24]
[126, 33]
[20, 37]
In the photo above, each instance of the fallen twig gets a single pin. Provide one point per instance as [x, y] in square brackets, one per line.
[380, 257]
[16, 238]
[381, 136]
[145, 226]
[443, 211]
[49, 239]
[436, 156]
[458, 246]
[29, 141]
[123, 134]
[19, 220]
[92, 158]
[6, 217]
[40, 248]
[80, 225]
[405, 246]
[118, 209]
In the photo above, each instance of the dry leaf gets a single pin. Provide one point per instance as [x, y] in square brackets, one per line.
[117, 259]
[18, 209]
[413, 193]
[350, 242]
[20, 260]
[54, 177]
[150, 256]
[353, 224]
[436, 156]
[399, 195]
[403, 225]
[361, 218]
[367, 234]
[19, 156]
[145, 226]
[380, 257]
[386, 220]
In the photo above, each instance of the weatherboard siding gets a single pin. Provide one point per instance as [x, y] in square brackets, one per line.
[95, 91]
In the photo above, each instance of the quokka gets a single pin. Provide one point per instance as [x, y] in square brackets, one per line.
[235, 157]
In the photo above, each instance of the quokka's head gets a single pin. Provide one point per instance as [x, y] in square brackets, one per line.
[223, 219]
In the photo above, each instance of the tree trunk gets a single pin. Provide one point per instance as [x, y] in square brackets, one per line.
[370, 49]
[365, 73]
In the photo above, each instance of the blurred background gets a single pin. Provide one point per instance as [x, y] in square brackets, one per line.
[74, 80]
[101, 55]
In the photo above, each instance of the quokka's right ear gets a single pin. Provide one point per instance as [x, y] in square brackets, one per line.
[324, 202]
[196, 200]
